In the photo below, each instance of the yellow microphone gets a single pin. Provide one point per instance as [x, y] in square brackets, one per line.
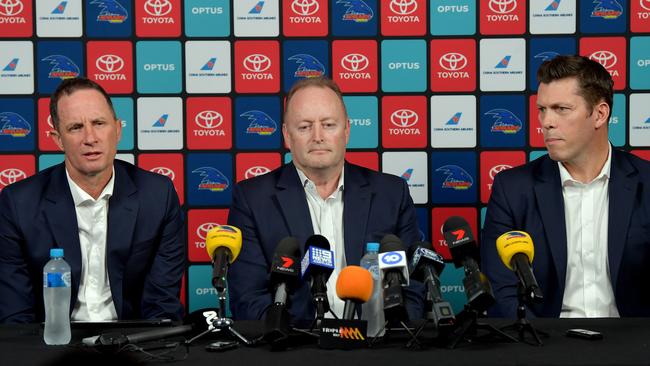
[223, 244]
[517, 251]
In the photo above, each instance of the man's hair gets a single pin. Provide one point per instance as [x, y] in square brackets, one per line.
[319, 82]
[595, 84]
[69, 86]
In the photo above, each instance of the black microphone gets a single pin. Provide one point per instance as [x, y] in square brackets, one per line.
[284, 279]
[464, 252]
[426, 266]
[317, 266]
[392, 264]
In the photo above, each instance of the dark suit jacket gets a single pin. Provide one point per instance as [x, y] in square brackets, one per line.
[145, 252]
[273, 206]
[529, 198]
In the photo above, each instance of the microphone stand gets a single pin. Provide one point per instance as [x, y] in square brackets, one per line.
[468, 327]
[522, 325]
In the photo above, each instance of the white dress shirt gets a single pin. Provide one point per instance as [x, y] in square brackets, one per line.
[327, 220]
[588, 289]
[94, 300]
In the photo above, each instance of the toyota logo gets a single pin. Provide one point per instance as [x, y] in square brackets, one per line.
[404, 118]
[305, 7]
[209, 119]
[203, 229]
[403, 7]
[502, 6]
[453, 61]
[163, 171]
[109, 63]
[354, 62]
[645, 4]
[49, 121]
[254, 171]
[10, 7]
[11, 175]
[606, 58]
[497, 169]
[257, 63]
[158, 8]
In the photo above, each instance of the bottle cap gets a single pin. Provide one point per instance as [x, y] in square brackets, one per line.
[372, 247]
[56, 253]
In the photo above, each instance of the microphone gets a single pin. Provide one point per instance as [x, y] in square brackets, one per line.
[464, 252]
[517, 251]
[283, 279]
[223, 244]
[316, 267]
[426, 265]
[394, 271]
[354, 286]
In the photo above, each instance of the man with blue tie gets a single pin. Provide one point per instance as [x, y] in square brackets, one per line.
[585, 205]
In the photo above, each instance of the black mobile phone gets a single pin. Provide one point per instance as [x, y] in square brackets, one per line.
[584, 334]
[221, 346]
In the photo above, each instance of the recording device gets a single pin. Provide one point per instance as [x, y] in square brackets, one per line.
[284, 279]
[223, 244]
[354, 286]
[591, 335]
[517, 252]
[316, 267]
[465, 253]
[394, 273]
[426, 266]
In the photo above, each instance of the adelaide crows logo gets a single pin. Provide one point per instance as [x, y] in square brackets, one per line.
[62, 67]
[213, 180]
[358, 11]
[547, 55]
[504, 121]
[308, 66]
[607, 9]
[111, 11]
[261, 123]
[457, 178]
[13, 124]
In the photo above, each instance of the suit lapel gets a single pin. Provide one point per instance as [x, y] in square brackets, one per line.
[356, 210]
[548, 193]
[293, 204]
[623, 183]
[122, 215]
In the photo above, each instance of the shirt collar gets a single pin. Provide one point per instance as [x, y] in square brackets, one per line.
[79, 196]
[566, 177]
[307, 183]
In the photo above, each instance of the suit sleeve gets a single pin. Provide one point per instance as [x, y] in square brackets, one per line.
[16, 288]
[498, 220]
[162, 285]
[247, 277]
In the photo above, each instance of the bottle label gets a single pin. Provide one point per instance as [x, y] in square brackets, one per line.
[56, 279]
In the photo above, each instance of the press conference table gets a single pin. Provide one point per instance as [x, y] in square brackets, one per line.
[625, 342]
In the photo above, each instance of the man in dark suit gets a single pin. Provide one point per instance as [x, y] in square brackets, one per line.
[317, 193]
[585, 205]
[120, 226]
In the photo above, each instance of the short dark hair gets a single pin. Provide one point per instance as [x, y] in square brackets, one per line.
[319, 82]
[594, 81]
[69, 86]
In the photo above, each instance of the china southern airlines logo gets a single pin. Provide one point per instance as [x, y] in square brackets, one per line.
[260, 123]
[213, 180]
[553, 5]
[111, 11]
[457, 178]
[503, 64]
[504, 121]
[548, 55]
[257, 9]
[357, 11]
[454, 120]
[209, 65]
[62, 67]
[308, 66]
[607, 9]
[11, 66]
[13, 124]
[160, 122]
[60, 9]
[407, 174]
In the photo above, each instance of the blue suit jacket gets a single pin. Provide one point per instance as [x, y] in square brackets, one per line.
[273, 206]
[529, 198]
[145, 252]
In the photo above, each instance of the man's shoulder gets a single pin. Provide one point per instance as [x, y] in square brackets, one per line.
[528, 171]
[373, 177]
[139, 176]
[641, 165]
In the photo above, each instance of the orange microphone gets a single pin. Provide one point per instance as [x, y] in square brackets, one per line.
[354, 286]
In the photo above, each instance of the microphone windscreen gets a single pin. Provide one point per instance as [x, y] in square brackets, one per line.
[224, 236]
[354, 283]
[514, 242]
[317, 241]
[289, 247]
[390, 243]
[453, 223]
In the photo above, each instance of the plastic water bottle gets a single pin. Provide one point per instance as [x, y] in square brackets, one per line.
[56, 296]
[373, 310]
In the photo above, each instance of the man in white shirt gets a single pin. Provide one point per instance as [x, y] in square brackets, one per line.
[120, 226]
[585, 205]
